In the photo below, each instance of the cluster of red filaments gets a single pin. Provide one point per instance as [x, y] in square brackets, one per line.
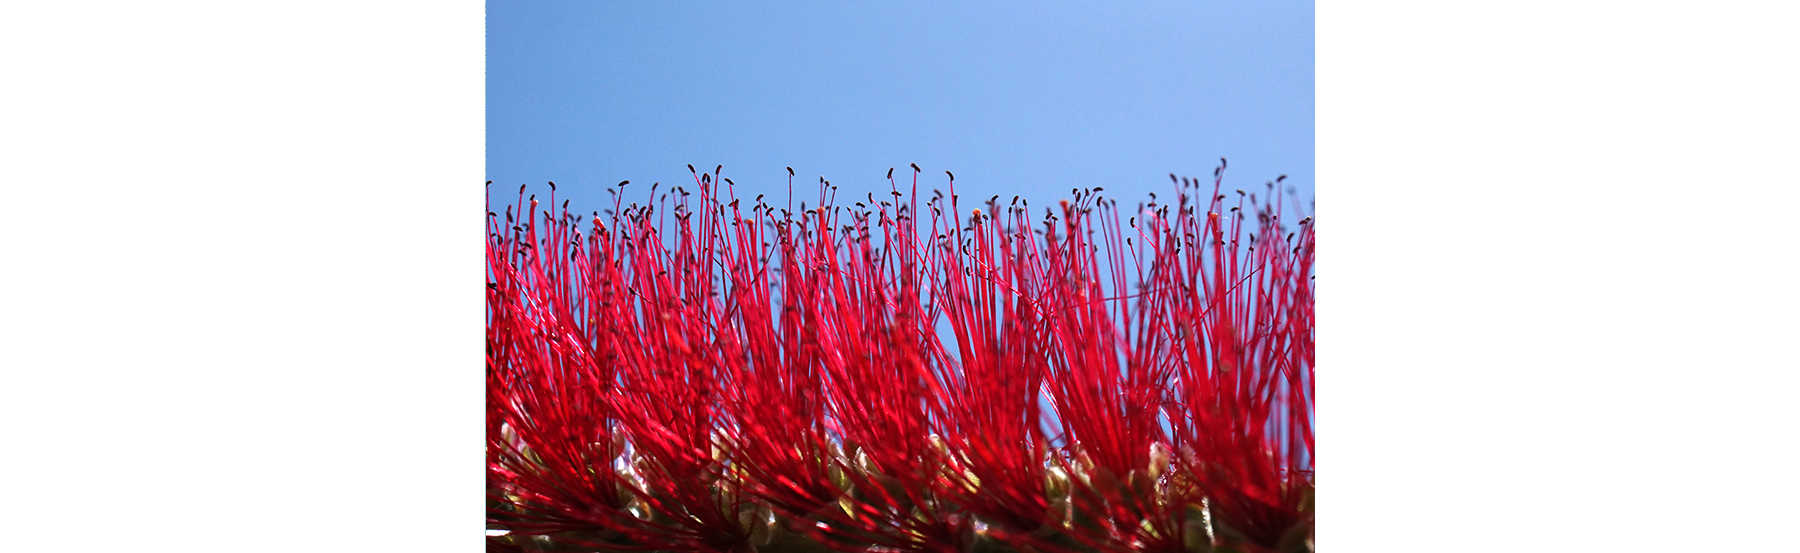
[699, 375]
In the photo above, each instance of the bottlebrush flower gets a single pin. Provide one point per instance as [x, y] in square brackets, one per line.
[696, 374]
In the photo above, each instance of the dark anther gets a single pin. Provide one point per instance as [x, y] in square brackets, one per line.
[915, 167]
[890, 172]
[691, 168]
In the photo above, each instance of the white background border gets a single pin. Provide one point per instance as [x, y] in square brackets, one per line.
[1556, 302]
[244, 276]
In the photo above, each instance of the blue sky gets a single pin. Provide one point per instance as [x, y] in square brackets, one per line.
[1015, 98]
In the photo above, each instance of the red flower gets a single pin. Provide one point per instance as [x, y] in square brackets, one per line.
[697, 377]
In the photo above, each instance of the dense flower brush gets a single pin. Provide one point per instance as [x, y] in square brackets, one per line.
[696, 374]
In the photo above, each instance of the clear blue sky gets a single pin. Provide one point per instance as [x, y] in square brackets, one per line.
[1015, 98]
